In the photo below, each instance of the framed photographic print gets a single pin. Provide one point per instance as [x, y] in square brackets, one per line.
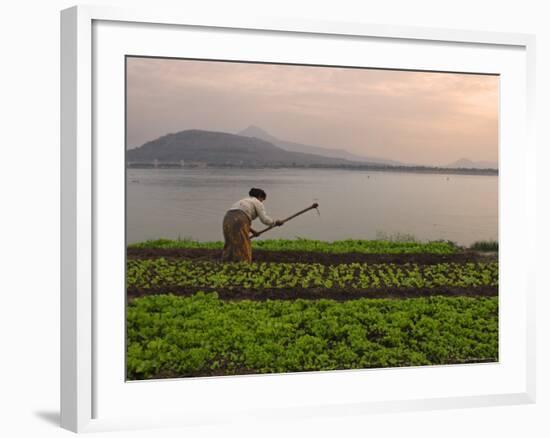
[276, 219]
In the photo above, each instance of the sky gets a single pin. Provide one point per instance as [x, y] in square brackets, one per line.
[413, 117]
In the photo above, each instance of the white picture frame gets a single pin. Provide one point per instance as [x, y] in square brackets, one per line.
[91, 254]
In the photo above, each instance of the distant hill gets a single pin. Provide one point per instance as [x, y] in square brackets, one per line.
[220, 149]
[254, 131]
[223, 149]
[465, 163]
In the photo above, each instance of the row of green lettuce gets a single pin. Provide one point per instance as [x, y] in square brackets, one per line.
[335, 247]
[158, 273]
[169, 336]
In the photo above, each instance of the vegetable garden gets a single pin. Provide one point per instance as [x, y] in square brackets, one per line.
[341, 305]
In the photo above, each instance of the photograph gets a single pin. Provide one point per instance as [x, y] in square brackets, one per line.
[286, 218]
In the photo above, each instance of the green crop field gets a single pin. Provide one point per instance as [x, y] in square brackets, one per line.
[219, 323]
[161, 272]
[203, 335]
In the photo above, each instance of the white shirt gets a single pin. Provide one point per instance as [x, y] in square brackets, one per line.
[253, 208]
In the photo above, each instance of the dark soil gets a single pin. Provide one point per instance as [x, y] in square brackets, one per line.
[203, 254]
[318, 293]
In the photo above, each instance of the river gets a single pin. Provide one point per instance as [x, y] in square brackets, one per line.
[190, 203]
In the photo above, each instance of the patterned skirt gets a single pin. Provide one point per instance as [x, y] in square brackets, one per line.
[236, 233]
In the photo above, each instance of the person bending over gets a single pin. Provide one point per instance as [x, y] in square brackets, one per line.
[237, 226]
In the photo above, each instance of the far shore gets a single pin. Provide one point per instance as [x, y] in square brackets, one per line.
[401, 169]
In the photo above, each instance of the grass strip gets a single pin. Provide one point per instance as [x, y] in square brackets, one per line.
[335, 247]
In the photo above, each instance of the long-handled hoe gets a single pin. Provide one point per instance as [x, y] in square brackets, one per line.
[311, 207]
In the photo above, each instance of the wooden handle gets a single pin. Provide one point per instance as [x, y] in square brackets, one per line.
[311, 207]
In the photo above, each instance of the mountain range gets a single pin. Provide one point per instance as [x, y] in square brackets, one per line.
[254, 147]
[465, 163]
[224, 149]
[254, 131]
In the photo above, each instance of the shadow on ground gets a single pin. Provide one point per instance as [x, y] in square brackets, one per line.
[52, 417]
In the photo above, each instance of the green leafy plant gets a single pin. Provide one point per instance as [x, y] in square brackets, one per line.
[160, 272]
[485, 245]
[169, 336]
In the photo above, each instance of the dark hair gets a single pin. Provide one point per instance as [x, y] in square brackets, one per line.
[257, 193]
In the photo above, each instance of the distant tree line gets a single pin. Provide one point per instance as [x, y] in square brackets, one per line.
[359, 166]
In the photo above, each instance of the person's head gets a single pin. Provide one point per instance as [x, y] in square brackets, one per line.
[257, 193]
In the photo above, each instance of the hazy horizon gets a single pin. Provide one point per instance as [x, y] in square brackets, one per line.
[413, 117]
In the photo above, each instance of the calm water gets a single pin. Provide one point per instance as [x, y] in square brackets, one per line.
[191, 203]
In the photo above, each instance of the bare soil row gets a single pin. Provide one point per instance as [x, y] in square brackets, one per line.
[203, 254]
[337, 294]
